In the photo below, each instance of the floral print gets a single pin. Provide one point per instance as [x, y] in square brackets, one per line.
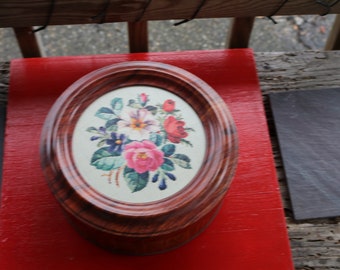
[116, 142]
[139, 142]
[143, 156]
[138, 124]
[169, 105]
[175, 129]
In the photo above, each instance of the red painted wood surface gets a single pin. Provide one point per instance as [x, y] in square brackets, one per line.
[249, 231]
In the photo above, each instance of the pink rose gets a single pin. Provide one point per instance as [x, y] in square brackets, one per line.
[175, 129]
[169, 105]
[143, 98]
[143, 156]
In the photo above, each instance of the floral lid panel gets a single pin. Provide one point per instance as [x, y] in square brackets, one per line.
[138, 144]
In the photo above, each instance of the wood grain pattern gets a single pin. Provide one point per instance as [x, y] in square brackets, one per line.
[4, 82]
[23, 13]
[315, 242]
[138, 36]
[141, 228]
[240, 32]
[248, 232]
[333, 40]
[27, 41]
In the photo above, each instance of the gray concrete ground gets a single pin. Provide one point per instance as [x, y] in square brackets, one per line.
[292, 33]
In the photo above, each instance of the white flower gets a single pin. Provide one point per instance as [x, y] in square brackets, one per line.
[137, 124]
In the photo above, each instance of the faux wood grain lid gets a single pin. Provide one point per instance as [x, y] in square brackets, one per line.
[139, 150]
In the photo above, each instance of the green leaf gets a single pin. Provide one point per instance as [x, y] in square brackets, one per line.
[152, 109]
[104, 160]
[135, 181]
[156, 139]
[105, 113]
[117, 105]
[101, 143]
[133, 104]
[168, 149]
[182, 161]
[168, 165]
[111, 125]
[186, 142]
[92, 130]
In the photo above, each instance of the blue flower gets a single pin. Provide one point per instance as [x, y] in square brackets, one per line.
[162, 184]
[155, 178]
[102, 130]
[93, 138]
[116, 143]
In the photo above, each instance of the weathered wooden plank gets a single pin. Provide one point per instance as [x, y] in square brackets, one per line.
[4, 82]
[31, 13]
[298, 70]
[314, 243]
[240, 32]
[27, 41]
[333, 41]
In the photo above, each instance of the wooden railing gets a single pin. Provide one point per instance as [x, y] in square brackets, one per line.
[22, 15]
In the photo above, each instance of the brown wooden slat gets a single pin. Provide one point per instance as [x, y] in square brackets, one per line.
[240, 32]
[138, 36]
[27, 42]
[32, 13]
[333, 41]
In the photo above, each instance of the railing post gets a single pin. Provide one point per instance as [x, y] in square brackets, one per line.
[240, 32]
[138, 36]
[333, 41]
[28, 43]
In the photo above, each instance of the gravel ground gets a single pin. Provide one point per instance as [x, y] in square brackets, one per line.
[292, 33]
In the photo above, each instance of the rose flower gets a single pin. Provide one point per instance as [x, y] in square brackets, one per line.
[143, 156]
[169, 105]
[174, 129]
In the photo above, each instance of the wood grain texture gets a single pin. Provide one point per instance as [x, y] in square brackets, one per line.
[314, 243]
[27, 41]
[248, 232]
[333, 40]
[4, 82]
[143, 228]
[23, 13]
[307, 125]
[240, 32]
[138, 36]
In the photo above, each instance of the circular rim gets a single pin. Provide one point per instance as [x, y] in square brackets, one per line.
[183, 208]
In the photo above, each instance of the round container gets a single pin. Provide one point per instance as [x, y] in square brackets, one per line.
[139, 155]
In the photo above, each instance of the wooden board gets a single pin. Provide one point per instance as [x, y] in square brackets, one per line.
[308, 128]
[249, 231]
[22, 13]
